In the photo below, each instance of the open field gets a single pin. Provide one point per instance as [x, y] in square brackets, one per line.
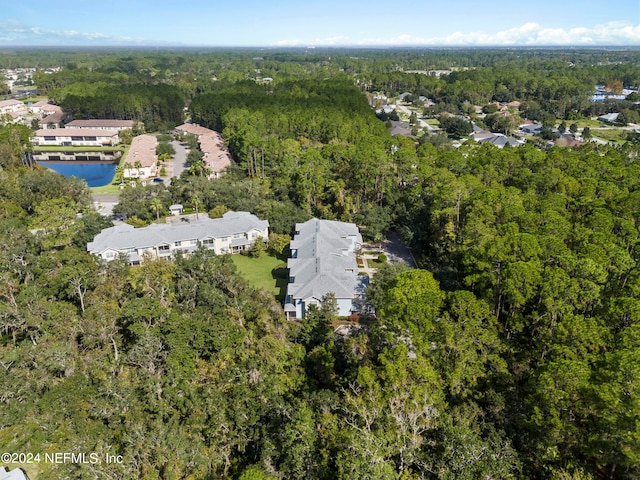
[610, 134]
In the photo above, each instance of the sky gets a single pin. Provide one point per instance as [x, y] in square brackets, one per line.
[275, 23]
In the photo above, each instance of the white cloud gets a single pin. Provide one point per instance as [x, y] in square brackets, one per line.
[17, 33]
[529, 34]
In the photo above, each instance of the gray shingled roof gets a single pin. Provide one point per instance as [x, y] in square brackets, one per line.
[122, 237]
[324, 260]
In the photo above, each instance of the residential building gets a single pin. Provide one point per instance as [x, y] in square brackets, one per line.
[76, 156]
[609, 117]
[215, 154]
[76, 137]
[9, 106]
[498, 139]
[44, 108]
[52, 121]
[106, 124]
[531, 128]
[233, 233]
[323, 260]
[142, 158]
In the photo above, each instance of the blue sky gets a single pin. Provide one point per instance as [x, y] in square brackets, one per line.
[320, 23]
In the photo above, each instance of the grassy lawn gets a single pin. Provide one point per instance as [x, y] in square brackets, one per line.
[259, 272]
[111, 188]
[585, 122]
[610, 134]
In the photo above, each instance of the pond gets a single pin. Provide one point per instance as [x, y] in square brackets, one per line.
[96, 174]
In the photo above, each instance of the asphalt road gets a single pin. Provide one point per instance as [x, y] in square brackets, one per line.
[179, 159]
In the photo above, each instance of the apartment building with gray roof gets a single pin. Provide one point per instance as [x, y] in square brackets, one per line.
[234, 232]
[323, 260]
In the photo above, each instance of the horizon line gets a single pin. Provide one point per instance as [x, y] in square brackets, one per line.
[329, 47]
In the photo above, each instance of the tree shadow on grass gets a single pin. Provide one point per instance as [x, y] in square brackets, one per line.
[281, 275]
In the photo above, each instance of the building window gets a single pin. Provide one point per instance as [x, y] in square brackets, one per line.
[109, 255]
[163, 248]
[225, 239]
[50, 139]
[178, 243]
[77, 139]
[207, 241]
[90, 139]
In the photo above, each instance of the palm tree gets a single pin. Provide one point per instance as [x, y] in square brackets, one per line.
[196, 203]
[119, 173]
[156, 204]
[127, 168]
[138, 166]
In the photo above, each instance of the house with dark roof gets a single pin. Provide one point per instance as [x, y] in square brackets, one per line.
[233, 233]
[323, 260]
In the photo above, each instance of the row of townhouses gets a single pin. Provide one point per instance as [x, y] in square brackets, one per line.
[233, 233]
[323, 260]
[323, 253]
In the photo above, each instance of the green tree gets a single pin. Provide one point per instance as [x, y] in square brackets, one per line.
[455, 127]
[157, 205]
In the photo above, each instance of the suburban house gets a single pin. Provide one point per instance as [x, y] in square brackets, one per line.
[234, 232]
[323, 260]
[44, 108]
[117, 125]
[498, 139]
[142, 159]
[214, 152]
[609, 117]
[76, 137]
[531, 128]
[52, 121]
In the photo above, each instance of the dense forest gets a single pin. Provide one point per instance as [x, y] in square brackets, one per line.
[514, 352]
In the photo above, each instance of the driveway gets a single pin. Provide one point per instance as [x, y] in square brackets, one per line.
[393, 247]
[179, 159]
[103, 203]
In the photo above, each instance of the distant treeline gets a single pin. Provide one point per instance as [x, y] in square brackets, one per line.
[157, 106]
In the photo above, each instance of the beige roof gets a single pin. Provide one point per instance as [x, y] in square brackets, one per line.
[101, 123]
[8, 103]
[53, 118]
[216, 156]
[193, 129]
[73, 132]
[143, 149]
